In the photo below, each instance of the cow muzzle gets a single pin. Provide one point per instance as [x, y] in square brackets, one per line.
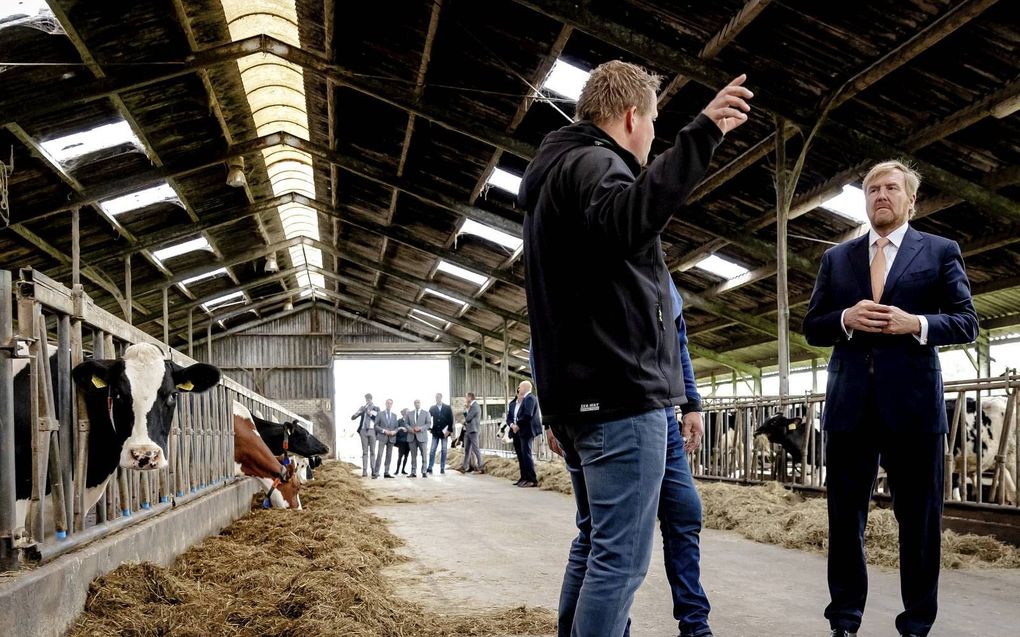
[145, 458]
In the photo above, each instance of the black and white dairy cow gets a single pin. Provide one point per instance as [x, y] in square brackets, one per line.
[130, 403]
[993, 414]
[300, 442]
[792, 435]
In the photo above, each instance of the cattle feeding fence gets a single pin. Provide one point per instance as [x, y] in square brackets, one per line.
[980, 450]
[39, 319]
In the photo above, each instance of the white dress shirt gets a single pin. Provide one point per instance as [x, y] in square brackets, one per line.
[891, 249]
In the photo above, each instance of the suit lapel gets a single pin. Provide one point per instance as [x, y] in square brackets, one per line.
[906, 253]
[861, 264]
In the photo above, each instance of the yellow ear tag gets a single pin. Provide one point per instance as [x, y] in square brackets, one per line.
[98, 382]
[791, 426]
[185, 386]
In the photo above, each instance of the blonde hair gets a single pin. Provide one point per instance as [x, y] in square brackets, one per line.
[911, 178]
[614, 87]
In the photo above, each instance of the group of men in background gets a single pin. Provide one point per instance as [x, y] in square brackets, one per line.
[382, 429]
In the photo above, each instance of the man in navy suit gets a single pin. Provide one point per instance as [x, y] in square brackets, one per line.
[885, 301]
[525, 424]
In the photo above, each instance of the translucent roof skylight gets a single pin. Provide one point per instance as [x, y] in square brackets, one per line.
[67, 148]
[457, 271]
[208, 275]
[428, 319]
[125, 203]
[721, 267]
[566, 79]
[498, 236]
[849, 204]
[193, 245]
[505, 181]
[234, 298]
[276, 94]
[22, 8]
[446, 297]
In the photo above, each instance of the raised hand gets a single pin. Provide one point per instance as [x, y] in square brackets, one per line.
[729, 108]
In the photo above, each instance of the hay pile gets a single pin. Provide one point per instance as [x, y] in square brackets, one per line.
[283, 573]
[552, 476]
[772, 514]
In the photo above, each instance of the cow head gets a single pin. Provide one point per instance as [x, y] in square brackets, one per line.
[299, 441]
[787, 432]
[137, 395]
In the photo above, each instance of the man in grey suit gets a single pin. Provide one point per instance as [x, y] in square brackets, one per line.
[366, 416]
[386, 433]
[472, 425]
[418, 437]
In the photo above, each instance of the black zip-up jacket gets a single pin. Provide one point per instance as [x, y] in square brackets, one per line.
[599, 302]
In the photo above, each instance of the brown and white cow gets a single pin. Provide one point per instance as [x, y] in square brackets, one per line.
[253, 458]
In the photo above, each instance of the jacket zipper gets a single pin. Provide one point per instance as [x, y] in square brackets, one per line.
[662, 330]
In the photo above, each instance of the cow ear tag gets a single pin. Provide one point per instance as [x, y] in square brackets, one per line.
[98, 382]
[186, 386]
[791, 426]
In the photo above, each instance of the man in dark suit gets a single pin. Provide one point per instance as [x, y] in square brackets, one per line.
[524, 422]
[885, 301]
[442, 428]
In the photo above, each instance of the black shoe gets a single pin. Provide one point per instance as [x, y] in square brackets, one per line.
[519, 482]
[527, 485]
[841, 632]
[403, 472]
[375, 477]
[909, 635]
[424, 475]
[429, 472]
[413, 476]
[387, 476]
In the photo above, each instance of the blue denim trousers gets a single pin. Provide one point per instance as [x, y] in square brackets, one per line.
[432, 454]
[680, 523]
[616, 469]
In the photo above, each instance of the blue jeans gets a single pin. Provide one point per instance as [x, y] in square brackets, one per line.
[616, 469]
[432, 454]
[680, 522]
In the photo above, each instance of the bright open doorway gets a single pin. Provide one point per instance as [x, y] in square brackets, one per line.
[402, 379]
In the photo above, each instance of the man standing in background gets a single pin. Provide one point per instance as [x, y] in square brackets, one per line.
[366, 416]
[472, 426]
[442, 428]
[418, 437]
[386, 434]
[524, 422]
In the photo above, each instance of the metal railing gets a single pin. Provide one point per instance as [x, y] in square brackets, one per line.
[731, 451]
[200, 445]
[492, 442]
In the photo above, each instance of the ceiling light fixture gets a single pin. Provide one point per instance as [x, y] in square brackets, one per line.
[271, 264]
[235, 173]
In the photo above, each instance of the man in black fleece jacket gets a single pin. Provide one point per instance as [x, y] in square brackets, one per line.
[600, 309]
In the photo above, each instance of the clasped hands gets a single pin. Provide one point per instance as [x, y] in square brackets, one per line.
[868, 316]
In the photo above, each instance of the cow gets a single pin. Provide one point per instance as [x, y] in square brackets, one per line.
[253, 458]
[993, 412]
[130, 402]
[299, 441]
[792, 435]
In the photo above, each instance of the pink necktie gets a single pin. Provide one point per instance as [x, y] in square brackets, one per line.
[878, 269]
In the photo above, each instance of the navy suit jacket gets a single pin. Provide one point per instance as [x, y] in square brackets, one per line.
[526, 417]
[927, 278]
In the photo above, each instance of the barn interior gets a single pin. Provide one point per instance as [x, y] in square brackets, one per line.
[269, 186]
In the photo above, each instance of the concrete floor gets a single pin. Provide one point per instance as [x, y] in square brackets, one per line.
[478, 541]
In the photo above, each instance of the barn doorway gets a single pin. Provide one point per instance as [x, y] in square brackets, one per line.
[399, 373]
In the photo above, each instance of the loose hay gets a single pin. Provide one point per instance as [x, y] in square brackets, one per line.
[287, 573]
[773, 514]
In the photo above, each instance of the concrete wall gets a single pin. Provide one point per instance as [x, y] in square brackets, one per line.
[46, 601]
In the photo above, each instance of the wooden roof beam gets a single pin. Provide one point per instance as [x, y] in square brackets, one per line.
[855, 141]
[751, 10]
